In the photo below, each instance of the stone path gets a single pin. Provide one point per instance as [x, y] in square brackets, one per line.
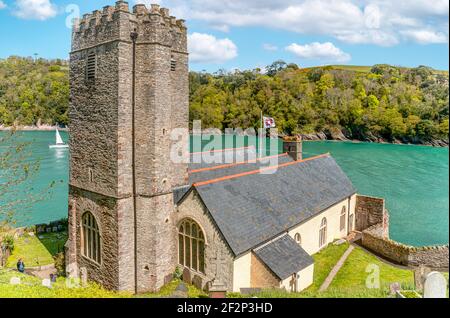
[335, 269]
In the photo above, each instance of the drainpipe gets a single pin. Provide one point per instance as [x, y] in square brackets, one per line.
[134, 36]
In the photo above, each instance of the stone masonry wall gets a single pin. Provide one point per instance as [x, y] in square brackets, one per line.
[193, 208]
[436, 257]
[101, 139]
[370, 211]
[261, 276]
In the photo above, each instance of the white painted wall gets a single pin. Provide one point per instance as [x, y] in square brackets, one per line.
[309, 230]
[241, 272]
[305, 279]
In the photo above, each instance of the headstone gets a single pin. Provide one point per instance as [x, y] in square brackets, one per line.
[55, 229]
[187, 276]
[250, 291]
[47, 283]
[14, 281]
[182, 287]
[197, 282]
[339, 242]
[394, 288]
[48, 230]
[60, 227]
[435, 286]
[419, 277]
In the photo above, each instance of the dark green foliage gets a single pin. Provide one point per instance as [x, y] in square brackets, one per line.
[408, 104]
[33, 92]
[382, 102]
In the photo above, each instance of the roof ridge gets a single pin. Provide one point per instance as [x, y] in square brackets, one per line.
[238, 175]
[236, 163]
[223, 150]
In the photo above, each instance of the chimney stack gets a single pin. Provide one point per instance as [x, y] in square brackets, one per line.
[292, 145]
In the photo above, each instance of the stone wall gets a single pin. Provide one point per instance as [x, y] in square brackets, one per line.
[436, 257]
[101, 141]
[193, 208]
[261, 276]
[370, 211]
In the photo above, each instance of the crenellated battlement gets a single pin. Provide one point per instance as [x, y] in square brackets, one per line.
[154, 24]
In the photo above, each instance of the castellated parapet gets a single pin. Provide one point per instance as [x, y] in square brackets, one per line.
[121, 169]
[116, 22]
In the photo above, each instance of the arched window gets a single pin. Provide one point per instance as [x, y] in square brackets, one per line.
[343, 217]
[323, 232]
[91, 240]
[191, 246]
[298, 238]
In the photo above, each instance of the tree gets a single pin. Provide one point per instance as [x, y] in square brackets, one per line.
[16, 170]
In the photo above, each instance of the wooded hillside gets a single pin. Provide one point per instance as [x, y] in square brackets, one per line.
[358, 102]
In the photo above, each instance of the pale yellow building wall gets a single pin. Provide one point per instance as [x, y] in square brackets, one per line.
[241, 272]
[305, 279]
[309, 230]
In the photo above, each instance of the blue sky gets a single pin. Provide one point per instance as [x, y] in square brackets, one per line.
[246, 34]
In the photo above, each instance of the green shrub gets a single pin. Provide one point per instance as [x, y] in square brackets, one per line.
[60, 264]
[8, 242]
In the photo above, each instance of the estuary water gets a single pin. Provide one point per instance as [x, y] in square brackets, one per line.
[413, 180]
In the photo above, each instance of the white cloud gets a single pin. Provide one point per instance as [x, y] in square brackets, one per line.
[379, 22]
[320, 51]
[206, 48]
[270, 47]
[2, 5]
[34, 9]
[426, 36]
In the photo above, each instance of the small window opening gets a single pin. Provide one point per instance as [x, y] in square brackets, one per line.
[91, 66]
[173, 64]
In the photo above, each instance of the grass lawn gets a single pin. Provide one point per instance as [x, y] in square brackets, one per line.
[37, 250]
[31, 287]
[353, 273]
[324, 261]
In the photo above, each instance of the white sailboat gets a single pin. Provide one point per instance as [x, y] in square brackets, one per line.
[59, 142]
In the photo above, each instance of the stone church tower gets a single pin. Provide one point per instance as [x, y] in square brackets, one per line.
[129, 90]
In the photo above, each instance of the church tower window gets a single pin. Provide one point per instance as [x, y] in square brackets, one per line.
[91, 67]
[323, 232]
[191, 246]
[91, 240]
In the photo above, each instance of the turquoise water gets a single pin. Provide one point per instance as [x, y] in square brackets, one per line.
[413, 180]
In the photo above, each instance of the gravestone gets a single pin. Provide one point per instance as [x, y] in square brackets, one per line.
[187, 276]
[420, 275]
[55, 229]
[197, 281]
[47, 283]
[394, 288]
[14, 281]
[48, 230]
[435, 286]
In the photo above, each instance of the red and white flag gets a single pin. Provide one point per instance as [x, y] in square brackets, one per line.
[269, 122]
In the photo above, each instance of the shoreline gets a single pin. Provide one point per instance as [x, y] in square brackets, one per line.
[33, 128]
[438, 143]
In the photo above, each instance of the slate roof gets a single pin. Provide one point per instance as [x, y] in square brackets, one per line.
[230, 169]
[252, 209]
[284, 257]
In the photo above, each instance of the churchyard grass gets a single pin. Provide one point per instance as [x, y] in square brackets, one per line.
[361, 266]
[324, 262]
[37, 250]
[31, 287]
[169, 289]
